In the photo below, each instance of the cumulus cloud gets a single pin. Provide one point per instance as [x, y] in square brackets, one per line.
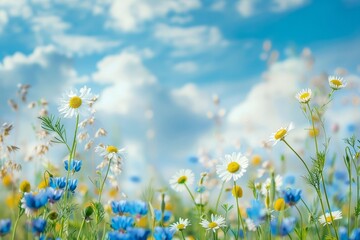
[249, 8]
[191, 39]
[267, 105]
[186, 67]
[129, 15]
[3, 20]
[191, 97]
[46, 69]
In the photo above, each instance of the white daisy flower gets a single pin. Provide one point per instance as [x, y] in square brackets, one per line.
[112, 153]
[216, 223]
[336, 82]
[281, 133]
[336, 215]
[180, 225]
[304, 95]
[75, 102]
[181, 178]
[233, 166]
[267, 184]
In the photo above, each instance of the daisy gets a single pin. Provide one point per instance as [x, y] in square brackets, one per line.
[110, 152]
[182, 179]
[267, 184]
[216, 223]
[233, 166]
[336, 83]
[74, 102]
[281, 134]
[304, 95]
[180, 225]
[327, 219]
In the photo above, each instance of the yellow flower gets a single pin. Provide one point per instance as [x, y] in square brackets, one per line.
[7, 180]
[43, 184]
[336, 82]
[256, 160]
[313, 132]
[113, 192]
[304, 95]
[237, 191]
[25, 186]
[12, 201]
[279, 204]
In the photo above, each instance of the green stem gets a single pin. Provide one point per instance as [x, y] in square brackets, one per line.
[103, 183]
[328, 204]
[317, 230]
[182, 235]
[239, 219]
[81, 227]
[302, 160]
[301, 222]
[15, 227]
[349, 210]
[313, 127]
[218, 199]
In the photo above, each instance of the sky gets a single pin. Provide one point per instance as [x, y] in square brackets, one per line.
[157, 66]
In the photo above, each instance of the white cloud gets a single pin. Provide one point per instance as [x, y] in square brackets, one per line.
[246, 8]
[127, 75]
[190, 97]
[46, 69]
[190, 40]
[19, 8]
[82, 45]
[49, 24]
[129, 15]
[218, 5]
[285, 5]
[181, 19]
[267, 105]
[249, 8]
[3, 20]
[186, 67]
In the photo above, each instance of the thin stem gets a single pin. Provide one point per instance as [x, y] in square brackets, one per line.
[218, 199]
[81, 227]
[317, 230]
[15, 227]
[313, 126]
[182, 235]
[301, 222]
[103, 183]
[328, 204]
[302, 160]
[192, 197]
[239, 219]
[349, 210]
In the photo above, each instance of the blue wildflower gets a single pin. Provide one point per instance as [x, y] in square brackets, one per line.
[289, 180]
[54, 195]
[75, 165]
[38, 226]
[72, 184]
[139, 233]
[193, 159]
[138, 208]
[283, 228]
[120, 207]
[355, 235]
[167, 215]
[32, 202]
[292, 196]
[58, 182]
[119, 236]
[135, 179]
[163, 233]
[121, 222]
[257, 212]
[5, 226]
[343, 233]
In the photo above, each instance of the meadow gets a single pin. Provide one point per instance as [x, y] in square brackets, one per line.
[58, 202]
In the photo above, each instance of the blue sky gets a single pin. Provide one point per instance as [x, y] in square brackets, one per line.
[171, 57]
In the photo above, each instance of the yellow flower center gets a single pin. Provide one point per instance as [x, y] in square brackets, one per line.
[237, 192]
[233, 167]
[182, 179]
[75, 102]
[256, 160]
[336, 82]
[280, 134]
[213, 225]
[304, 96]
[111, 149]
[328, 219]
[279, 204]
[25, 186]
[181, 226]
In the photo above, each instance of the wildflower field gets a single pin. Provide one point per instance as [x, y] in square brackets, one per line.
[179, 119]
